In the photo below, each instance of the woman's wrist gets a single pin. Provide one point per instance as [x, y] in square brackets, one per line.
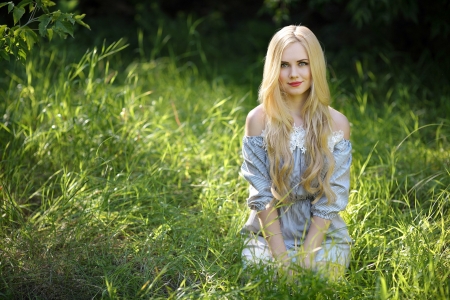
[282, 258]
[307, 260]
[268, 236]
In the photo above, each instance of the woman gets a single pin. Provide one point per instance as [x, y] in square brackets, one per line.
[297, 157]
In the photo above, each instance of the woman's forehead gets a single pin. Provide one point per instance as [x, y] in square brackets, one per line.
[294, 52]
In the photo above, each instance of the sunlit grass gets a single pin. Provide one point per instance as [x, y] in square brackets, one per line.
[120, 180]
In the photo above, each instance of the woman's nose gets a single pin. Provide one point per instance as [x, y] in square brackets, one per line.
[294, 72]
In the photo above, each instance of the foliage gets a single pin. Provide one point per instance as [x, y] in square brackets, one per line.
[363, 13]
[20, 39]
[407, 26]
[279, 9]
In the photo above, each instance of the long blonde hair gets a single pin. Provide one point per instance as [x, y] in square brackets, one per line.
[316, 117]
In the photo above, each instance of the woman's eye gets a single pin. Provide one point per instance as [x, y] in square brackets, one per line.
[284, 65]
[302, 63]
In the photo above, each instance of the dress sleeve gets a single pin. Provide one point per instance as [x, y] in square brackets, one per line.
[339, 181]
[255, 170]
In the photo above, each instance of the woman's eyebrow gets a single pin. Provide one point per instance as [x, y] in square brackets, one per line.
[303, 59]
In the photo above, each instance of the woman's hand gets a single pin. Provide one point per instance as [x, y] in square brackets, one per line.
[285, 267]
[307, 261]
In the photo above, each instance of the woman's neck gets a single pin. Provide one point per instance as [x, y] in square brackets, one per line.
[295, 107]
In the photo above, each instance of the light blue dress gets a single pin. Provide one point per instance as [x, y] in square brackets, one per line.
[295, 218]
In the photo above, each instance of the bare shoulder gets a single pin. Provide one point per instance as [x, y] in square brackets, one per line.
[255, 122]
[340, 122]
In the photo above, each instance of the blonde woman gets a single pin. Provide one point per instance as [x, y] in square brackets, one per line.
[297, 157]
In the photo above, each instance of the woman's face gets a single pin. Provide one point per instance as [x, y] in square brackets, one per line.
[295, 74]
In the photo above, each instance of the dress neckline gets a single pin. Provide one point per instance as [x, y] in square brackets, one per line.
[298, 134]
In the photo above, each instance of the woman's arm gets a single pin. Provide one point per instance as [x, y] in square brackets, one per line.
[270, 224]
[319, 226]
[314, 239]
[271, 229]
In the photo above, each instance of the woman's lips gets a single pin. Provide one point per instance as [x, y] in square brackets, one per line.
[295, 83]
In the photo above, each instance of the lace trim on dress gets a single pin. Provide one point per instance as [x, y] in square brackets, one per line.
[298, 139]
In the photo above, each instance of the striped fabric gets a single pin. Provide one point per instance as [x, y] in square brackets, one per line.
[295, 217]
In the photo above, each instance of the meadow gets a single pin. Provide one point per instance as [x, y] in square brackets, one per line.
[119, 179]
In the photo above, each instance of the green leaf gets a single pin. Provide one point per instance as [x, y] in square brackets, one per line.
[22, 55]
[18, 13]
[17, 32]
[48, 3]
[2, 29]
[24, 2]
[50, 34]
[44, 20]
[4, 54]
[10, 7]
[21, 41]
[56, 15]
[4, 4]
[41, 5]
[80, 17]
[83, 24]
[65, 27]
[8, 41]
[29, 36]
[59, 29]
[69, 17]
[45, 17]
[13, 48]
[69, 27]
[30, 41]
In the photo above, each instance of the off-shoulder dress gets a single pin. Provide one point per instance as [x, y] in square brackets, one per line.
[295, 218]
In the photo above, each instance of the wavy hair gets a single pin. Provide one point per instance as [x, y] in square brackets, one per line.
[315, 113]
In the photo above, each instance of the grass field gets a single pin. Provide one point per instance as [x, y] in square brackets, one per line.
[120, 180]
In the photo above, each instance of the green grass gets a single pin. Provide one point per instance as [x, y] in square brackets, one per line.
[120, 180]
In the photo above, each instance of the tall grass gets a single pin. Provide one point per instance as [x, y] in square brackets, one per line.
[120, 180]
